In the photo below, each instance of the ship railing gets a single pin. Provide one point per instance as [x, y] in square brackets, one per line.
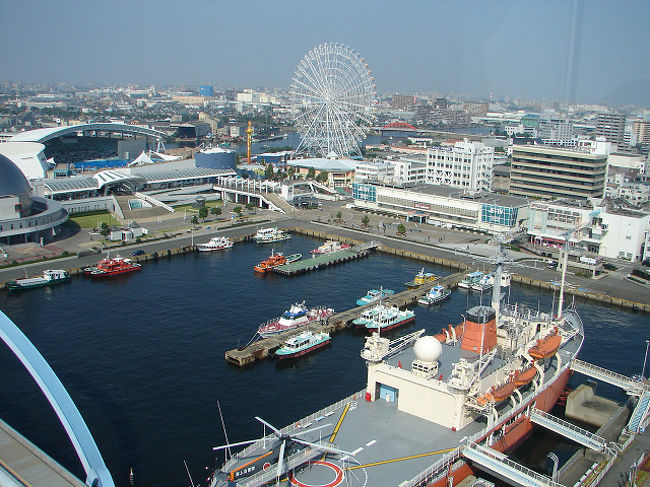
[580, 435]
[630, 385]
[290, 462]
[303, 423]
[500, 458]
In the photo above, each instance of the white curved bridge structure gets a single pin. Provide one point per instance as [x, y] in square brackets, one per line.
[97, 475]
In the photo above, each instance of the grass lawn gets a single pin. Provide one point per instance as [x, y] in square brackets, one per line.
[191, 209]
[93, 220]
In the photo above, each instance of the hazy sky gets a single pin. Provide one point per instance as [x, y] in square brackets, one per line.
[519, 48]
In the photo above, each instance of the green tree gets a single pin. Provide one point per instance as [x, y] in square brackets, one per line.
[203, 212]
[238, 210]
[339, 215]
[249, 206]
[268, 172]
[401, 229]
[322, 177]
[365, 220]
[291, 171]
[195, 220]
[215, 210]
[311, 173]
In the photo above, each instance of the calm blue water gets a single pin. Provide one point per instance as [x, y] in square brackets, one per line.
[143, 355]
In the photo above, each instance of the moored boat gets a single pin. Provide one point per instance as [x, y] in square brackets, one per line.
[485, 283]
[374, 295]
[329, 247]
[275, 260]
[112, 267]
[385, 318]
[421, 278]
[302, 344]
[50, 277]
[214, 244]
[470, 279]
[270, 235]
[436, 295]
[296, 316]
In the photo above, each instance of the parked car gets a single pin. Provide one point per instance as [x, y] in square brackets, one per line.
[138, 252]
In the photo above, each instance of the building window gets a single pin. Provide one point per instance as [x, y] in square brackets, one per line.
[18, 207]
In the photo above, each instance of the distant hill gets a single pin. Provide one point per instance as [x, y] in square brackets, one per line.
[632, 93]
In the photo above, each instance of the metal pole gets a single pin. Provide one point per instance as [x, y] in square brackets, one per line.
[647, 343]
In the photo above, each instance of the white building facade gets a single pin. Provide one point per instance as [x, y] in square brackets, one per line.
[467, 166]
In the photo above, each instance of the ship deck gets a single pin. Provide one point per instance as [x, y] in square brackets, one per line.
[391, 446]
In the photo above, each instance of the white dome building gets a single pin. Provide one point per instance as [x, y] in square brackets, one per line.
[23, 216]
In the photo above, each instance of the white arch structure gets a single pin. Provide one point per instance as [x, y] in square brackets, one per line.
[45, 134]
[97, 475]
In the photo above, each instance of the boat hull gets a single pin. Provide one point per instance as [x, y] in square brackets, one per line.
[15, 286]
[515, 433]
[393, 326]
[104, 274]
[428, 301]
[305, 351]
[213, 249]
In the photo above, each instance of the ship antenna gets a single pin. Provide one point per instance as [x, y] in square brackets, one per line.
[225, 433]
[188, 473]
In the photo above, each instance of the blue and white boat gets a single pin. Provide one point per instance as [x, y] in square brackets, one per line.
[375, 295]
[302, 344]
[484, 284]
[436, 295]
[470, 279]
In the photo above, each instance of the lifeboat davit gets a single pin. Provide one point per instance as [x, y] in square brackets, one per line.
[449, 333]
[523, 377]
[546, 347]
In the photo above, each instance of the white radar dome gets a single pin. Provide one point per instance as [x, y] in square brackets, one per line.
[427, 349]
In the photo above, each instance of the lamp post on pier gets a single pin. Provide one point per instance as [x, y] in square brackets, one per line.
[645, 359]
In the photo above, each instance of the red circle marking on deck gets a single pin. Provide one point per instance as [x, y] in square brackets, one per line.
[337, 480]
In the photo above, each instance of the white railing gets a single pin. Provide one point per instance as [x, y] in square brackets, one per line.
[504, 466]
[587, 438]
[154, 201]
[606, 375]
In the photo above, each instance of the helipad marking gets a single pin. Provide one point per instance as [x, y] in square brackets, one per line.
[337, 479]
[357, 450]
[370, 443]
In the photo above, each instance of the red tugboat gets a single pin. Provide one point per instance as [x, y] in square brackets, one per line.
[275, 260]
[111, 267]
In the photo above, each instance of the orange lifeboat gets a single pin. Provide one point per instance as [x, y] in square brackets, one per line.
[546, 347]
[498, 393]
[273, 261]
[523, 377]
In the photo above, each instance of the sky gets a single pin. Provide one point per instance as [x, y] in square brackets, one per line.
[583, 50]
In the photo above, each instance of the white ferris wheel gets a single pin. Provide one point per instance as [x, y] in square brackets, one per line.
[334, 93]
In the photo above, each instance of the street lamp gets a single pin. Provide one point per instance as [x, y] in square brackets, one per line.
[647, 343]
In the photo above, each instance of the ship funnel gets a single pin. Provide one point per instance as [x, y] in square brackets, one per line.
[480, 330]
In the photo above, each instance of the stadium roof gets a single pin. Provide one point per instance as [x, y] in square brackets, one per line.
[45, 134]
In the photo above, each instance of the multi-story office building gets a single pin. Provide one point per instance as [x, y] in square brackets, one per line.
[547, 173]
[611, 126]
[467, 165]
[556, 131]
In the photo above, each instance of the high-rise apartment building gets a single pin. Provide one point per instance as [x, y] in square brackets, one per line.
[641, 131]
[556, 131]
[403, 102]
[547, 173]
[611, 126]
[467, 165]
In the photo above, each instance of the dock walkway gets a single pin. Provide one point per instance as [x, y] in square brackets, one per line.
[263, 348]
[325, 260]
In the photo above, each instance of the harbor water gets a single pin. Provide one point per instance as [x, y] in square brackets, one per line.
[142, 355]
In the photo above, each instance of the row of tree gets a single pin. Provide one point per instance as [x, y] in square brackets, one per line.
[271, 174]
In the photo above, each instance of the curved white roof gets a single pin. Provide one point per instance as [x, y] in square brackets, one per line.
[28, 156]
[43, 135]
[323, 164]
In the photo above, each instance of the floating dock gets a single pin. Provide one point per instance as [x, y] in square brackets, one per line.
[265, 347]
[326, 260]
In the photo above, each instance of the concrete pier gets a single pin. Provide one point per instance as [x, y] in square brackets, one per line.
[583, 405]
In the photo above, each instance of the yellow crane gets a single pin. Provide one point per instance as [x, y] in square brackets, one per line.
[249, 136]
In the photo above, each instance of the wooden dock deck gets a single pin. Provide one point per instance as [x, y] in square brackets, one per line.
[265, 347]
[326, 260]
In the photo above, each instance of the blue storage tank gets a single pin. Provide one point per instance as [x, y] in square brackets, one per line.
[215, 158]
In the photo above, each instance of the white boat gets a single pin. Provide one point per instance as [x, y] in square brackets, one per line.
[329, 247]
[296, 316]
[385, 318]
[374, 295]
[270, 235]
[470, 279]
[215, 243]
[484, 284]
[435, 295]
[302, 344]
